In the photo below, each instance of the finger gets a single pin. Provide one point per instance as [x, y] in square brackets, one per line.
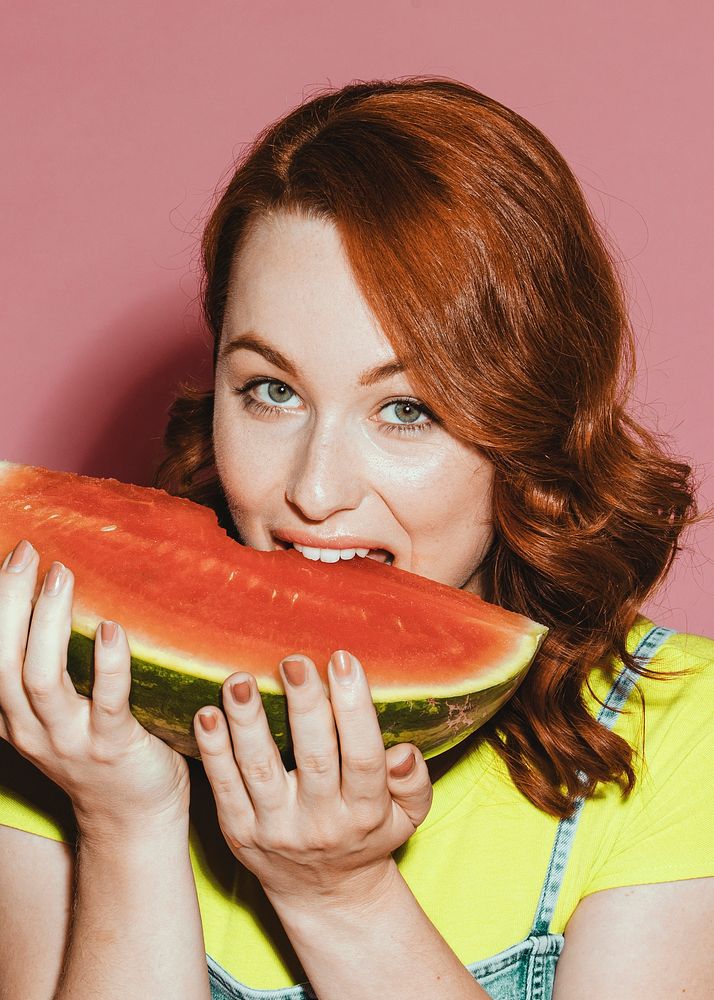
[110, 711]
[254, 748]
[312, 729]
[44, 676]
[409, 782]
[216, 749]
[364, 771]
[18, 577]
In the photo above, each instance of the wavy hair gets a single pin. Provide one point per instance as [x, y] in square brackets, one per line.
[472, 243]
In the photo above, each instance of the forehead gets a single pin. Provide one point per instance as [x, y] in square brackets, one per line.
[291, 282]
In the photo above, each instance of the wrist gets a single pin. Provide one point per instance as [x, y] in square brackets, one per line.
[107, 834]
[342, 904]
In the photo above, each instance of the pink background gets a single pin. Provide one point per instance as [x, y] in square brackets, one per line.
[119, 120]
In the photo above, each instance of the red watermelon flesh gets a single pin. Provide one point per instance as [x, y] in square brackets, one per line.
[197, 606]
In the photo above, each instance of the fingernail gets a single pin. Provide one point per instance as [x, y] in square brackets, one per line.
[404, 767]
[295, 670]
[240, 691]
[108, 633]
[54, 579]
[20, 557]
[344, 667]
[208, 721]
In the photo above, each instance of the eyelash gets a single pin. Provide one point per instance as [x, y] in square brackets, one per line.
[259, 407]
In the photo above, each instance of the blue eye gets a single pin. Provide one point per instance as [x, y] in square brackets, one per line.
[257, 406]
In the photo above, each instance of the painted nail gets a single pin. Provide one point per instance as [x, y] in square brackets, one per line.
[344, 667]
[20, 557]
[404, 767]
[108, 633]
[208, 721]
[295, 670]
[55, 579]
[240, 691]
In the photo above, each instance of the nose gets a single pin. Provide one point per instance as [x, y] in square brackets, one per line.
[326, 474]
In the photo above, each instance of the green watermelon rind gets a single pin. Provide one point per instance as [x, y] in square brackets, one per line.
[165, 701]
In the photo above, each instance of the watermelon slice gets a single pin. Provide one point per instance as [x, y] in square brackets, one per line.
[196, 606]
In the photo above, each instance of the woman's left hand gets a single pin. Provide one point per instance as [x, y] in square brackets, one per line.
[327, 828]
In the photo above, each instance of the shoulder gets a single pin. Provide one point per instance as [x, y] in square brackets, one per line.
[661, 831]
[674, 705]
[681, 651]
[667, 930]
[668, 718]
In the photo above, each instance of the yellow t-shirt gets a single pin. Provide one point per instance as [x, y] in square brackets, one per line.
[478, 861]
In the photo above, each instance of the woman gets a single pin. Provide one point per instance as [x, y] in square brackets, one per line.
[421, 349]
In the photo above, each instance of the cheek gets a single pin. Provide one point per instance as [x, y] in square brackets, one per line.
[242, 459]
[466, 506]
[447, 486]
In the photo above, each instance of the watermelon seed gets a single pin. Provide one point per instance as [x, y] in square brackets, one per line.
[109, 527]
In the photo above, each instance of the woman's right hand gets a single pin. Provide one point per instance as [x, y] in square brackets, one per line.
[118, 776]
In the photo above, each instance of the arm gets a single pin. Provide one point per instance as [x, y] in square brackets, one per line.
[644, 942]
[35, 899]
[387, 940]
[640, 942]
[135, 931]
[320, 837]
[136, 927]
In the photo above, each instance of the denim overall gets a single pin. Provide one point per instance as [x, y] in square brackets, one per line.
[525, 971]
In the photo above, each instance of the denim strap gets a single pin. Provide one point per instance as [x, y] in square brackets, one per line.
[617, 696]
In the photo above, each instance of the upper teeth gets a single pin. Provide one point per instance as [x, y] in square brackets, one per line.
[329, 555]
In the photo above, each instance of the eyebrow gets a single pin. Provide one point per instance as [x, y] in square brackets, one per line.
[252, 341]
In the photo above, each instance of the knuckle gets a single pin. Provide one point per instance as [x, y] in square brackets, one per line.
[112, 679]
[233, 841]
[275, 845]
[330, 839]
[38, 686]
[61, 744]
[319, 841]
[366, 818]
[18, 736]
[317, 762]
[306, 702]
[212, 751]
[100, 752]
[224, 785]
[108, 710]
[25, 742]
[367, 764]
[260, 770]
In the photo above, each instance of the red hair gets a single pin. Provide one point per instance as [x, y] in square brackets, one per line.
[473, 245]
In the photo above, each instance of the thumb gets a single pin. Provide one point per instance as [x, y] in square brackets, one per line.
[408, 781]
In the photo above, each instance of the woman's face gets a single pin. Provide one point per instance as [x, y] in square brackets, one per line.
[318, 452]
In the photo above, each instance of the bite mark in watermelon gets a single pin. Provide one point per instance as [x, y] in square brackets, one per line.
[197, 606]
